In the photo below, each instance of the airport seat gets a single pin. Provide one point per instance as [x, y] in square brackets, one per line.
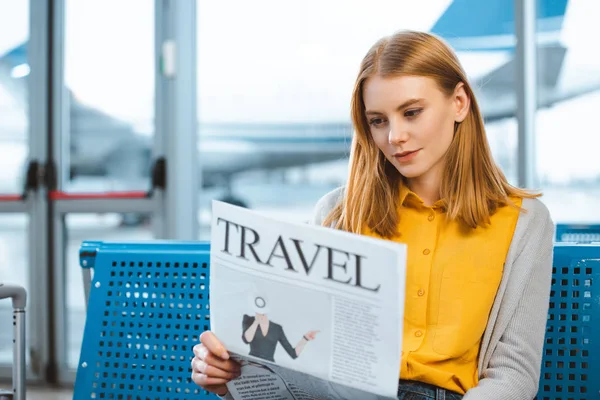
[149, 302]
[147, 306]
[571, 358]
[578, 233]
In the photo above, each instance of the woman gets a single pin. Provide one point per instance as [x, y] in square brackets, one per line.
[479, 250]
[262, 334]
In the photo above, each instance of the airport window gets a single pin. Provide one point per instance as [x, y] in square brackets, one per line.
[569, 99]
[14, 152]
[14, 69]
[109, 92]
[14, 269]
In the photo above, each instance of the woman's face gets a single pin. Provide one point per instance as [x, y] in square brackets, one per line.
[412, 122]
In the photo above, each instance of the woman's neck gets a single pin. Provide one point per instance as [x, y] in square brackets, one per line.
[426, 187]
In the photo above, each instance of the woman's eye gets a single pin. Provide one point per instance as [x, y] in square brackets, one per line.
[413, 113]
[377, 121]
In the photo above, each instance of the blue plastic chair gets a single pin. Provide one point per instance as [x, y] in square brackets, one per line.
[148, 304]
[578, 233]
[571, 359]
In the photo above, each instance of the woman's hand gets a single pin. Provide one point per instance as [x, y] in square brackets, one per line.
[311, 335]
[261, 318]
[211, 366]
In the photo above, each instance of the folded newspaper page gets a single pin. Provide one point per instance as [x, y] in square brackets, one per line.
[310, 312]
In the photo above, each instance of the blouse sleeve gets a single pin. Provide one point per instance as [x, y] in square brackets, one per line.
[286, 344]
[246, 323]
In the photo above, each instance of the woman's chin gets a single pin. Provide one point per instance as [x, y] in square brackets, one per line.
[410, 172]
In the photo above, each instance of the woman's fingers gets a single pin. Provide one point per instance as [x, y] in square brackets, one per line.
[214, 345]
[206, 381]
[211, 367]
[213, 372]
[202, 353]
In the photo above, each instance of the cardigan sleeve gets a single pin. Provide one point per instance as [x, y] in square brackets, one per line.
[513, 371]
[325, 204]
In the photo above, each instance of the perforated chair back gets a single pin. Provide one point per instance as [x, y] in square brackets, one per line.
[578, 233]
[148, 304]
[571, 358]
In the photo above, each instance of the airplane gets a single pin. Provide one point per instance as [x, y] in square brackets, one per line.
[490, 28]
[104, 146]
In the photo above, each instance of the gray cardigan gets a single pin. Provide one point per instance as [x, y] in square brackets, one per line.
[511, 350]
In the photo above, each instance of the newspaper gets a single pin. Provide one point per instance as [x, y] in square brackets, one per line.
[310, 312]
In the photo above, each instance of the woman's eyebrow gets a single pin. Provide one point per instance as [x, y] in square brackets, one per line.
[407, 103]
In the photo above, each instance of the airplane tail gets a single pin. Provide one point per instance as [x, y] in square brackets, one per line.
[473, 25]
[13, 64]
[15, 56]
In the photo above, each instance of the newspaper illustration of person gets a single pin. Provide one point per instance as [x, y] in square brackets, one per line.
[263, 334]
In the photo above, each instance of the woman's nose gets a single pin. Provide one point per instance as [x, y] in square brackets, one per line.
[398, 134]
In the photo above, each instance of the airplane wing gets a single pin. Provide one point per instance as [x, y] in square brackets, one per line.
[550, 59]
[496, 89]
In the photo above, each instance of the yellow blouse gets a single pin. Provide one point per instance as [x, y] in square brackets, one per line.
[452, 279]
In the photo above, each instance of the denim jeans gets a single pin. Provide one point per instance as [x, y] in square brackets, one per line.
[411, 390]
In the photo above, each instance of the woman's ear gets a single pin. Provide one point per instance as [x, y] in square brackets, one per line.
[462, 102]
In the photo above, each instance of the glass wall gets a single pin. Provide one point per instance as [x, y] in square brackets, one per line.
[274, 92]
[109, 90]
[14, 151]
[567, 132]
[14, 69]
[107, 138]
[14, 262]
